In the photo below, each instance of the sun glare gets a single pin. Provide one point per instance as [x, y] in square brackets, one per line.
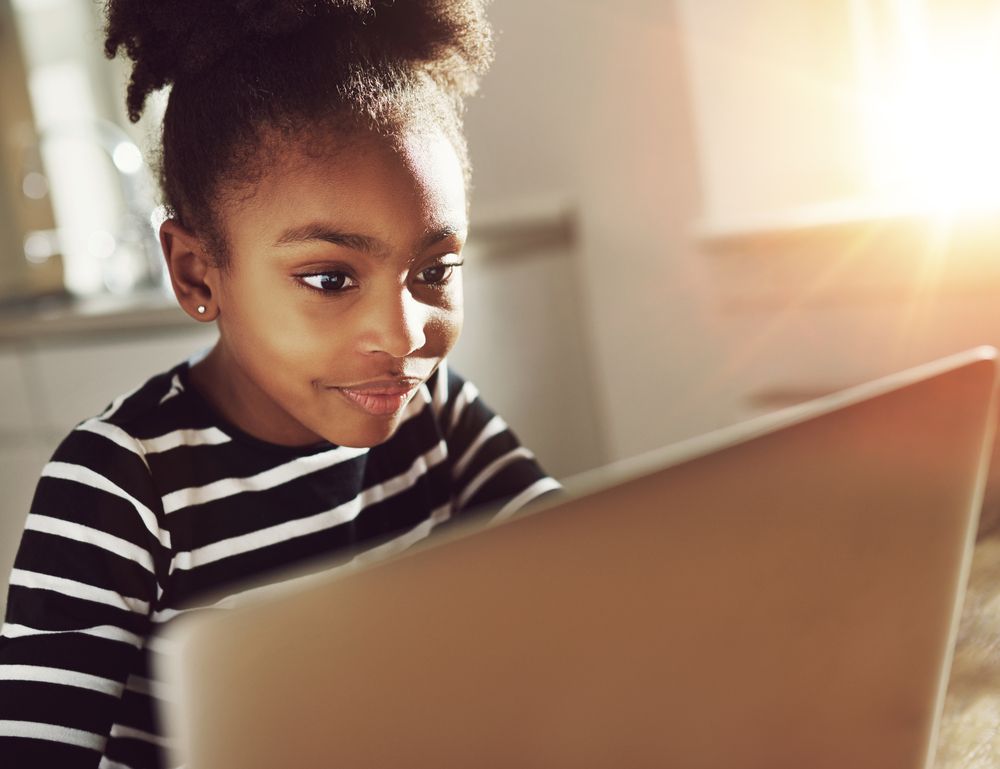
[932, 108]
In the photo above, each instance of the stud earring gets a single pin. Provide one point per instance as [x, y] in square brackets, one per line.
[202, 309]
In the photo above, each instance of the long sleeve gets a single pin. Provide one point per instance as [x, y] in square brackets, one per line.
[490, 468]
[81, 591]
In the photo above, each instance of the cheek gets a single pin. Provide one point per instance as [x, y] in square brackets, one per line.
[268, 325]
[442, 330]
[451, 318]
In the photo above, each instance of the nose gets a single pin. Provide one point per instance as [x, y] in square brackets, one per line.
[396, 324]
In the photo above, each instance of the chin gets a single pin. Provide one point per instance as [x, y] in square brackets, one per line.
[367, 436]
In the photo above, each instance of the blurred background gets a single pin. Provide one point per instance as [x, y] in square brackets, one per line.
[685, 213]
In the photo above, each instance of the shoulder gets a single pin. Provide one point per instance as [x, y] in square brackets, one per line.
[162, 412]
[489, 465]
[138, 410]
[98, 487]
[110, 451]
[451, 396]
[127, 418]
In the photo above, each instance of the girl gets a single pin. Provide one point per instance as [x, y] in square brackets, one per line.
[315, 173]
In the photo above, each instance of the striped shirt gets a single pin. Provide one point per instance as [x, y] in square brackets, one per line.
[158, 507]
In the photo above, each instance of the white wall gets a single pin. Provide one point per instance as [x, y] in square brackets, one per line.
[590, 100]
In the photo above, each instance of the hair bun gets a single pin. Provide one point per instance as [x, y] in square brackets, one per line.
[169, 41]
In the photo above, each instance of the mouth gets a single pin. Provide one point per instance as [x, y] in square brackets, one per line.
[384, 398]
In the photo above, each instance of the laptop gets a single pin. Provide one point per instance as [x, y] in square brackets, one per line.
[780, 594]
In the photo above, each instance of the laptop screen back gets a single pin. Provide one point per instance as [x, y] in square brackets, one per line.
[777, 596]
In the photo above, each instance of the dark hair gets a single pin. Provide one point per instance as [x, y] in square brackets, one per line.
[245, 75]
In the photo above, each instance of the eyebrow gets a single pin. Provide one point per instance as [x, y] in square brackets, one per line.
[357, 242]
[322, 232]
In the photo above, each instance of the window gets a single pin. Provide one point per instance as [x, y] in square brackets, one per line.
[843, 106]
[80, 156]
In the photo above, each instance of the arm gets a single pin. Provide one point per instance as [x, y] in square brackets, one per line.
[80, 594]
[489, 465]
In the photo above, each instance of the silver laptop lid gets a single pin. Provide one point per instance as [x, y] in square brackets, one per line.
[783, 594]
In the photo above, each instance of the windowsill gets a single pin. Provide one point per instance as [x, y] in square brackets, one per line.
[522, 226]
[842, 217]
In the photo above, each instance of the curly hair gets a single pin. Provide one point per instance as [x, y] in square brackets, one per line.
[245, 72]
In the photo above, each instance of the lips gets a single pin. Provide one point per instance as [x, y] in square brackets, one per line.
[383, 398]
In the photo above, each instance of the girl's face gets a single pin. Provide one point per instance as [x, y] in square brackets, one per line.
[343, 291]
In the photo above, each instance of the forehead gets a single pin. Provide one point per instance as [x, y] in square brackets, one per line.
[373, 184]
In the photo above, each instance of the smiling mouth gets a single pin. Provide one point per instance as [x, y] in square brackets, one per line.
[380, 398]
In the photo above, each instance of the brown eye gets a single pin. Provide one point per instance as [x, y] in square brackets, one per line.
[437, 275]
[330, 282]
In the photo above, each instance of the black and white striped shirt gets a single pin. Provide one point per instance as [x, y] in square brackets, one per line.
[158, 507]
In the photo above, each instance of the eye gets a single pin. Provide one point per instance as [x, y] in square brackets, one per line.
[330, 282]
[438, 274]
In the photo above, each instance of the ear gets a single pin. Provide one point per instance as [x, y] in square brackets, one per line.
[192, 273]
